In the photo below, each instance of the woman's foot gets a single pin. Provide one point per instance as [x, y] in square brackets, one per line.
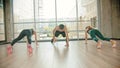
[29, 48]
[113, 43]
[99, 45]
[9, 49]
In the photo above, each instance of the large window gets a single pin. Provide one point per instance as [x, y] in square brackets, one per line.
[2, 30]
[44, 15]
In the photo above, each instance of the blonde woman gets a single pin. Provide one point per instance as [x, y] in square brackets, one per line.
[95, 34]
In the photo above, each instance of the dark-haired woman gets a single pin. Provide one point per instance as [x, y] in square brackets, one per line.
[95, 34]
[60, 29]
[26, 32]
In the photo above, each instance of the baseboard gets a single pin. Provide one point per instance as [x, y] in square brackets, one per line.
[115, 38]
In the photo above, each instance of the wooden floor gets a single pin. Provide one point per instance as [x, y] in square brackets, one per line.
[78, 55]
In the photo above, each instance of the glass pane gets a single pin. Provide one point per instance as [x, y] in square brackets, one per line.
[82, 35]
[45, 30]
[87, 15]
[73, 35]
[87, 11]
[23, 10]
[45, 10]
[2, 30]
[66, 10]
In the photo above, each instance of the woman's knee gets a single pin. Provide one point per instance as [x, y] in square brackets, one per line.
[95, 39]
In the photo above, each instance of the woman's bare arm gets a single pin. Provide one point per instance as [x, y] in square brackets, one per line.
[35, 38]
[86, 36]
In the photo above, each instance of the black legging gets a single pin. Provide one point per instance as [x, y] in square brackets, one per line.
[22, 35]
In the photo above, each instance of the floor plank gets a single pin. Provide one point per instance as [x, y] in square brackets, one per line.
[77, 55]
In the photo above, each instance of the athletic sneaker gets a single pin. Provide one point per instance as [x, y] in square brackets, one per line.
[29, 48]
[9, 49]
[113, 44]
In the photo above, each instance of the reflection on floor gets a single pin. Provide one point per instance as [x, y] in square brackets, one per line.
[78, 55]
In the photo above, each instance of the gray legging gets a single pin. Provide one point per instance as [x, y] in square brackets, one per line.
[24, 33]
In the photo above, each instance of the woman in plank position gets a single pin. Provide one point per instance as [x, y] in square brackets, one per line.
[95, 34]
[28, 33]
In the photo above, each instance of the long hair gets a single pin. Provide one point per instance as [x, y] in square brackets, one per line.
[89, 27]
